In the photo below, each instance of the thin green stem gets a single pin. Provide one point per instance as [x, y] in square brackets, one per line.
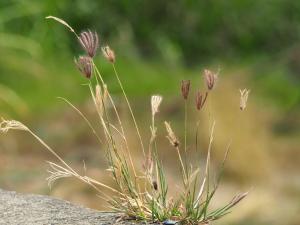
[185, 139]
[130, 109]
[207, 170]
[84, 117]
[182, 167]
[185, 125]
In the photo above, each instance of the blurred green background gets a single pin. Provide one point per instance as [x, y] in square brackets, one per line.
[255, 44]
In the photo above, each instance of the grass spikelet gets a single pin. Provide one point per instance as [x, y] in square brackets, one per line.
[171, 135]
[7, 125]
[244, 98]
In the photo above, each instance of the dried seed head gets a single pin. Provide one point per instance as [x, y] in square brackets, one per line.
[210, 79]
[244, 98]
[238, 198]
[155, 103]
[200, 100]
[85, 65]
[105, 93]
[89, 42]
[185, 88]
[148, 164]
[101, 95]
[171, 136]
[7, 125]
[109, 54]
[98, 93]
[155, 186]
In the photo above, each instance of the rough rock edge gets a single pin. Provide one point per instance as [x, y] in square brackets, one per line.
[30, 209]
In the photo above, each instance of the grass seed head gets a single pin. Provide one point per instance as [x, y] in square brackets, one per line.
[109, 54]
[200, 100]
[244, 98]
[171, 135]
[85, 65]
[89, 42]
[155, 103]
[210, 79]
[185, 88]
[7, 125]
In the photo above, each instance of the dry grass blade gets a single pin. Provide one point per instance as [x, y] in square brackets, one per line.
[200, 193]
[84, 117]
[62, 22]
[131, 111]
[56, 173]
[238, 198]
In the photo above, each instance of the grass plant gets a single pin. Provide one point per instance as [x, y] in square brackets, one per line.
[141, 194]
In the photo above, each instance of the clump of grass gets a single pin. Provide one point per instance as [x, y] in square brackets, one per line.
[141, 194]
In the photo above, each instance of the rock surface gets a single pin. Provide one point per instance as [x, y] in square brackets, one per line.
[29, 209]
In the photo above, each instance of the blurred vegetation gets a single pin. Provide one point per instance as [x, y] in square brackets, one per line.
[190, 33]
[225, 28]
[256, 44]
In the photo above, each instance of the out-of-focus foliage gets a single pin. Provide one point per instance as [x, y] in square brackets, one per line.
[198, 30]
[184, 32]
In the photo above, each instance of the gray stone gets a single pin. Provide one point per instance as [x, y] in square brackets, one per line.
[29, 209]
